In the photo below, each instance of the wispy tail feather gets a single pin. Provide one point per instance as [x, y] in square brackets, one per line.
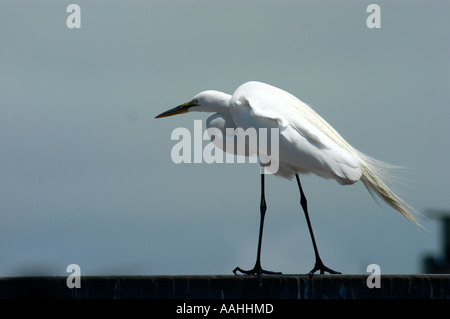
[374, 175]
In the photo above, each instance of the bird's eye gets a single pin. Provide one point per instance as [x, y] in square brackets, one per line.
[194, 102]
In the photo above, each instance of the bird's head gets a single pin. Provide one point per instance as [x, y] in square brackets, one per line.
[206, 101]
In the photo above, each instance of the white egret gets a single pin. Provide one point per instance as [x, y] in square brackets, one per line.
[307, 144]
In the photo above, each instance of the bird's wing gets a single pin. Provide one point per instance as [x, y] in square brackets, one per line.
[223, 134]
[307, 144]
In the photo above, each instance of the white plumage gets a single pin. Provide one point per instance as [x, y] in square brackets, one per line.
[307, 143]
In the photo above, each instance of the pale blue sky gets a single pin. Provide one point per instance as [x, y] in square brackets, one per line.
[85, 170]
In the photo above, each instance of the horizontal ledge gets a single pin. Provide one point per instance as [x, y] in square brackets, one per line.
[228, 287]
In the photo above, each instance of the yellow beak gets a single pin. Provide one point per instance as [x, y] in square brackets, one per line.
[183, 108]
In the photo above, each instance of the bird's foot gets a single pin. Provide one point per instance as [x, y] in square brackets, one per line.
[319, 266]
[256, 271]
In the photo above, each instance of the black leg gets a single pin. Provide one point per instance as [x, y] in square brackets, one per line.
[319, 266]
[257, 270]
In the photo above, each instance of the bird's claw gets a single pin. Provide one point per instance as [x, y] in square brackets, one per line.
[319, 266]
[256, 271]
